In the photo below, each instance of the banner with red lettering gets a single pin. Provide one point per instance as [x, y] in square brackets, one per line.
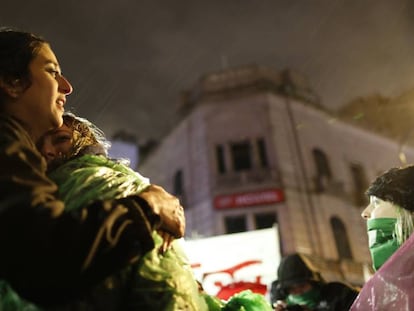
[251, 198]
[230, 263]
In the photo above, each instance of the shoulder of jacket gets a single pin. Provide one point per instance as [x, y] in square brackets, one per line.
[12, 130]
[337, 287]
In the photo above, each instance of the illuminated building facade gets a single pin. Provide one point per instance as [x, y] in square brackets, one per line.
[255, 148]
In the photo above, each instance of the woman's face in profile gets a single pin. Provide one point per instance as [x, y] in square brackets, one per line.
[378, 208]
[41, 105]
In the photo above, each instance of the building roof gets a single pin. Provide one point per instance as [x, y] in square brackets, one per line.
[247, 79]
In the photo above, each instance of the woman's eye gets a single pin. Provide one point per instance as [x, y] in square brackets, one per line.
[62, 139]
[54, 72]
[377, 202]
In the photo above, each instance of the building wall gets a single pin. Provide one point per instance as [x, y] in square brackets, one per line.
[291, 129]
[185, 149]
[344, 145]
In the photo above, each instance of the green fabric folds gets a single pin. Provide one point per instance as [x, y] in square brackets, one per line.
[247, 301]
[11, 301]
[166, 282]
[88, 178]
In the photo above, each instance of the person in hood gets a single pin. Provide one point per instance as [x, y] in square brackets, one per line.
[298, 287]
[390, 224]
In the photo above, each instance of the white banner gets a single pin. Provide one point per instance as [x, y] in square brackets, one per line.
[231, 263]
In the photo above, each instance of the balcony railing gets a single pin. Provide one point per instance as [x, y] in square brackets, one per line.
[254, 176]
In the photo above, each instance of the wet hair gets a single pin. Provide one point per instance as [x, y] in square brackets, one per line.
[17, 50]
[87, 138]
[397, 187]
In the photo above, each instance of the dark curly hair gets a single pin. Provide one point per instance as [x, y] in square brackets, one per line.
[86, 136]
[17, 50]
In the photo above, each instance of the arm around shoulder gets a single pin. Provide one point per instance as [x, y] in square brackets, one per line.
[50, 254]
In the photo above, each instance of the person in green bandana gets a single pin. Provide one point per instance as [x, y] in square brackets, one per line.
[389, 214]
[390, 224]
[298, 287]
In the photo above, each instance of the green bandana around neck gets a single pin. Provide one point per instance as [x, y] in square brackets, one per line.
[309, 299]
[382, 240]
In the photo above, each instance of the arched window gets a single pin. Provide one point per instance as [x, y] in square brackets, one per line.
[360, 184]
[341, 238]
[323, 170]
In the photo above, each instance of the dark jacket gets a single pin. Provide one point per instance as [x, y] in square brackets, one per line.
[336, 296]
[49, 256]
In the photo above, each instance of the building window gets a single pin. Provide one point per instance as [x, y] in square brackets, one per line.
[234, 224]
[221, 163]
[178, 188]
[323, 170]
[360, 184]
[241, 156]
[261, 148]
[341, 238]
[178, 183]
[265, 220]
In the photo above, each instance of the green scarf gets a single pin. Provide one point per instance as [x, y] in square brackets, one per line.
[309, 299]
[163, 281]
[382, 239]
[85, 179]
[11, 301]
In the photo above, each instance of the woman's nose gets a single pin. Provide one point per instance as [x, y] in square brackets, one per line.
[366, 213]
[48, 151]
[64, 85]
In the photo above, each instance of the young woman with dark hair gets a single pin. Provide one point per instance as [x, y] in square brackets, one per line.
[48, 256]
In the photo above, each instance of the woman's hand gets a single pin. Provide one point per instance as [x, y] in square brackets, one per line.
[168, 208]
[167, 241]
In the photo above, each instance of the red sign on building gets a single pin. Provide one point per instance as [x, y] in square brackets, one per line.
[260, 197]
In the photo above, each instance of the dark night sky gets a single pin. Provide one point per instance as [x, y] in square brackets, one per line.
[129, 59]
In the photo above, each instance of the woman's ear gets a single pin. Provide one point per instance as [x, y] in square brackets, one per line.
[13, 88]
